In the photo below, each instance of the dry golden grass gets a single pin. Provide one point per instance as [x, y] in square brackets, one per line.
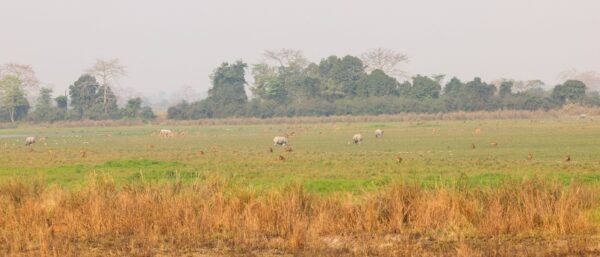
[181, 219]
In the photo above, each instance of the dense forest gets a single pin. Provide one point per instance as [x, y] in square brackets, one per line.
[351, 85]
[286, 84]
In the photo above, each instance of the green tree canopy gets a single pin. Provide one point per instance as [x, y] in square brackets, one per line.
[12, 99]
[424, 87]
[62, 102]
[133, 108]
[505, 88]
[43, 107]
[83, 94]
[453, 87]
[105, 105]
[570, 91]
[377, 83]
[228, 94]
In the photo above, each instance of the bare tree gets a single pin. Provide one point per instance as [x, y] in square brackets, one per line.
[108, 72]
[23, 72]
[525, 85]
[287, 57]
[590, 78]
[386, 60]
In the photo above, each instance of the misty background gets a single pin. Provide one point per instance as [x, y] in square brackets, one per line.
[171, 48]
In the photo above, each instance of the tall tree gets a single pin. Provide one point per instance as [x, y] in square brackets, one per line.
[341, 76]
[24, 73]
[266, 82]
[13, 98]
[377, 83]
[83, 94]
[108, 72]
[62, 102]
[228, 93]
[590, 78]
[505, 88]
[286, 58]
[133, 108]
[476, 94]
[453, 87]
[43, 105]
[386, 60]
[282, 76]
[425, 87]
[105, 106]
[570, 91]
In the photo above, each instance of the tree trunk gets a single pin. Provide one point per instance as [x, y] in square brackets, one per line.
[12, 110]
[105, 100]
[105, 105]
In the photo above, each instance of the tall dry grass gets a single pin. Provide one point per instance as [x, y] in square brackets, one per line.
[145, 220]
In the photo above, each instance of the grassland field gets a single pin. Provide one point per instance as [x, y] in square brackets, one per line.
[323, 159]
[222, 190]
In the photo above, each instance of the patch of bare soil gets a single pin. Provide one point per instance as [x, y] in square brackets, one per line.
[370, 245]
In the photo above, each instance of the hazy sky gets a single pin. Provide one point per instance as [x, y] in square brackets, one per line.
[170, 44]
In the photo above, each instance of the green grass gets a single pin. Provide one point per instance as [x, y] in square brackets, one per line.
[322, 159]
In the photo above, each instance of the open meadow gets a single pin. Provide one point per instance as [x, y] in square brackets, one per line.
[470, 188]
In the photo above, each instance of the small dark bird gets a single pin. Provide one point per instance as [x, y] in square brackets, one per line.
[270, 149]
[568, 158]
[472, 146]
[200, 152]
[281, 158]
[399, 159]
[529, 157]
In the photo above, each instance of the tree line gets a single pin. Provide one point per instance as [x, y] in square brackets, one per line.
[90, 97]
[286, 84]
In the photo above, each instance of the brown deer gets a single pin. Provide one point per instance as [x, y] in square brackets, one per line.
[399, 159]
[529, 157]
[83, 153]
